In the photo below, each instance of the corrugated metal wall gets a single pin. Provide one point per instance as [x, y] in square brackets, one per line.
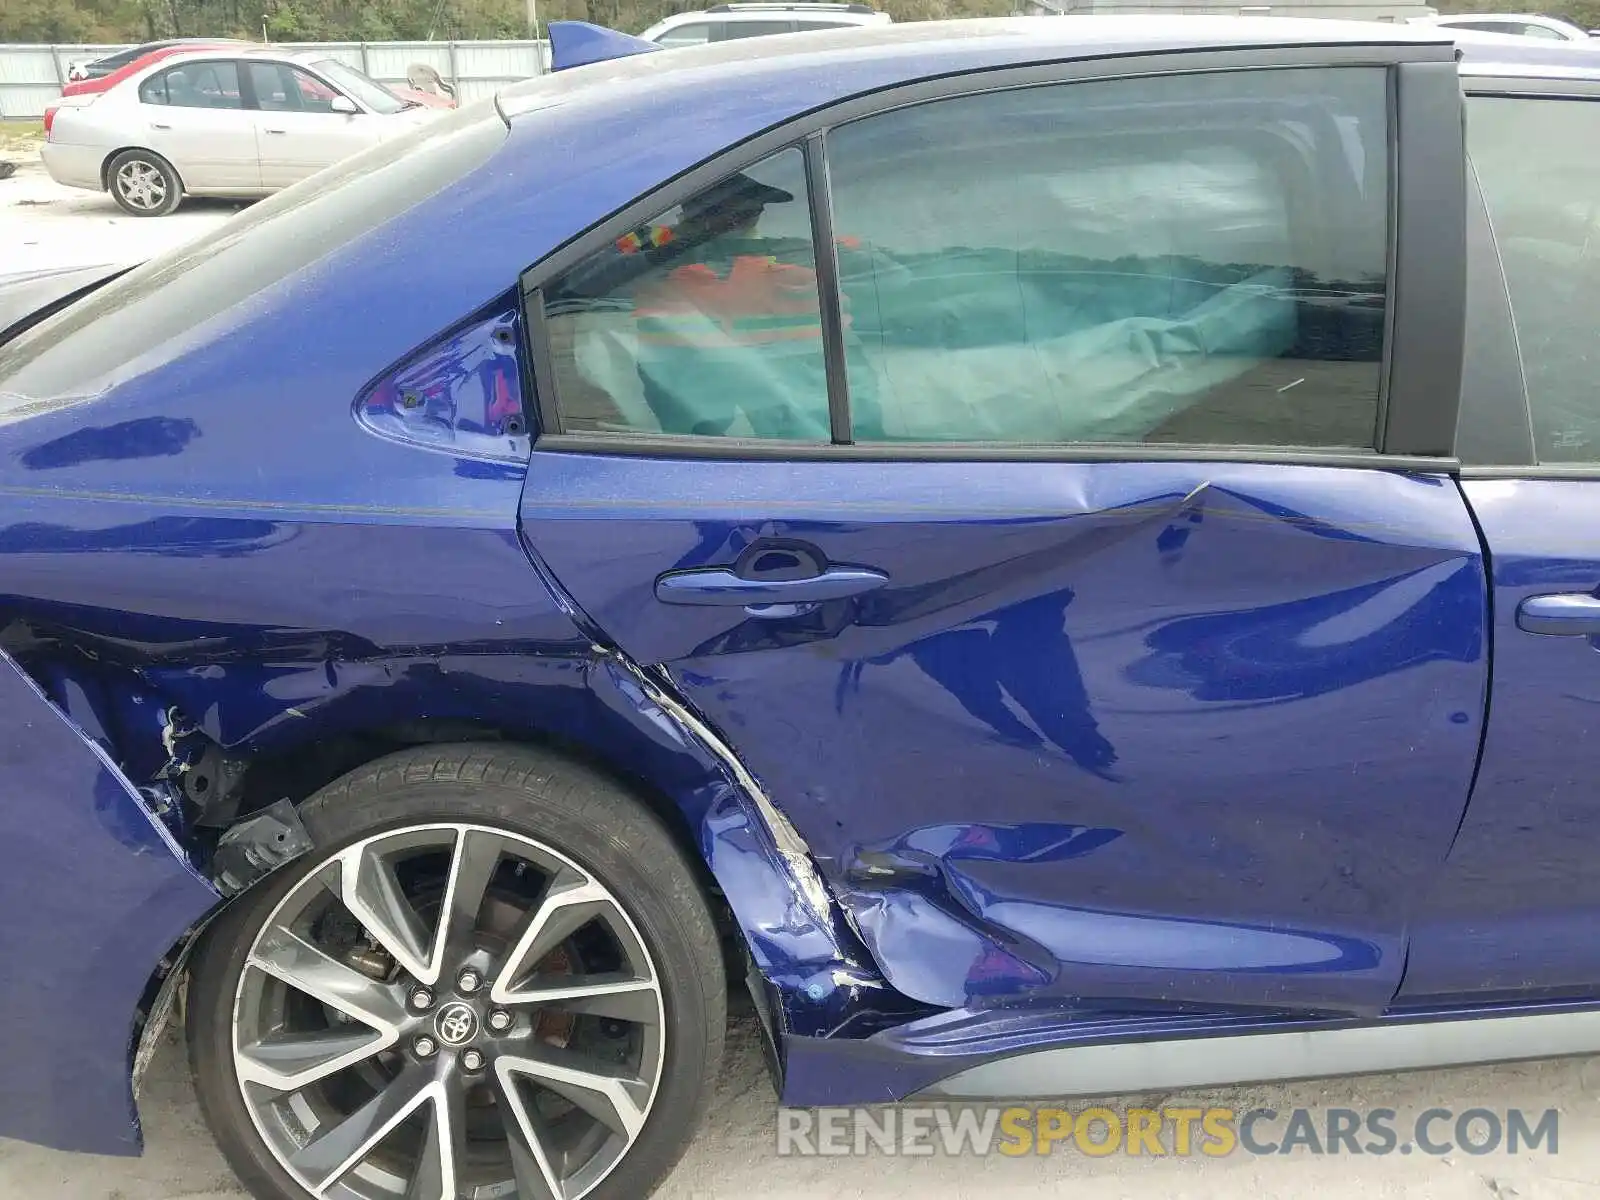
[31, 75]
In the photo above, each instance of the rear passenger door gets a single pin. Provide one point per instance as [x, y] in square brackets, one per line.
[1018, 474]
[1517, 908]
[196, 119]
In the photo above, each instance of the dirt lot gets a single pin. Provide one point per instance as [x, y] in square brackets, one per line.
[43, 225]
[736, 1155]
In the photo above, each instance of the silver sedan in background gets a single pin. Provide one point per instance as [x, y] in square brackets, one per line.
[221, 123]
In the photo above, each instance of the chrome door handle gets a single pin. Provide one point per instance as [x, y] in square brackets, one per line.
[720, 587]
[1571, 614]
[277, 131]
[159, 125]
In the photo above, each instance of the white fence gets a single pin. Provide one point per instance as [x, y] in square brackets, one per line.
[31, 75]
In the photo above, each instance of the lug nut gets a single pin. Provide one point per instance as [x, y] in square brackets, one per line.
[421, 999]
[499, 1020]
[424, 1046]
[469, 982]
[472, 1060]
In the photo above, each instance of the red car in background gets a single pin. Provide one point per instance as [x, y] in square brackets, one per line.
[84, 89]
[99, 83]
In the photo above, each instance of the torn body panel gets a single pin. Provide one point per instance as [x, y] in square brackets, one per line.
[1111, 731]
[811, 975]
[94, 889]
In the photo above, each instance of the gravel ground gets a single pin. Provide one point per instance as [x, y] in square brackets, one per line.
[44, 225]
[735, 1156]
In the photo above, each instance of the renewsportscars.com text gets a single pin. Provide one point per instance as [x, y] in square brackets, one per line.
[1099, 1131]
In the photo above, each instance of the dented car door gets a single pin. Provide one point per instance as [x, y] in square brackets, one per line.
[1082, 589]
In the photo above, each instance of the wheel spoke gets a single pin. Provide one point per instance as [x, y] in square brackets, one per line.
[287, 956]
[444, 1148]
[618, 995]
[472, 866]
[369, 889]
[331, 1154]
[287, 1063]
[569, 1116]
[530, 1165]
[569, 903]
[615, 1100]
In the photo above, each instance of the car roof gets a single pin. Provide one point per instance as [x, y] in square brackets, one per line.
[246, 50]
[886, 55]
[621, 128]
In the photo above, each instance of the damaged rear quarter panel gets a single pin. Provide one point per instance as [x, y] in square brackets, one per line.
[188, 500]
[93, 891]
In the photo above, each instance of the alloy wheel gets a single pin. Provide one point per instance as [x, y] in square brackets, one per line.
[444, 1011]
[142, 185]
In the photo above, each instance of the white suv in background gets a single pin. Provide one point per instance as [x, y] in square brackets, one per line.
[1519, 24]
[728, 21]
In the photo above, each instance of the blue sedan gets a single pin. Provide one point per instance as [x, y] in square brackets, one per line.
[1060, 554]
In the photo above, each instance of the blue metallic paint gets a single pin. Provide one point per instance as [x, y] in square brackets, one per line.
[1514, 911]
[462, 395]
[1312, 641]
[1187, 693]
[77, 956]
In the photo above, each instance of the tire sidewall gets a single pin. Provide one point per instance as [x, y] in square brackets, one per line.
[633, 857]
[151, 158]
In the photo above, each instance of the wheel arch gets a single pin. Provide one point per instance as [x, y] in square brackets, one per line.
[297, 728]
[282, 773]
[111, 157]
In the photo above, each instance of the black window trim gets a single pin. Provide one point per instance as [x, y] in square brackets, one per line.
[1523, 463]
[1417, 435]
[1428, 263]
[831, 311]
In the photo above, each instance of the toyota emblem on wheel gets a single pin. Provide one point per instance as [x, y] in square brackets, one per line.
[456, 1024]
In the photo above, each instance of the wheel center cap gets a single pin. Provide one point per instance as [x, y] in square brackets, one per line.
[456, 1024]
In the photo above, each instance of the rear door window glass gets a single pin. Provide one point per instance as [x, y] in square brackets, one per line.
[1196, 259]
[195, 85]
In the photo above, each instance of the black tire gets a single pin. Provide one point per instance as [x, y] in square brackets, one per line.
[522, 790]
[163, 194]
